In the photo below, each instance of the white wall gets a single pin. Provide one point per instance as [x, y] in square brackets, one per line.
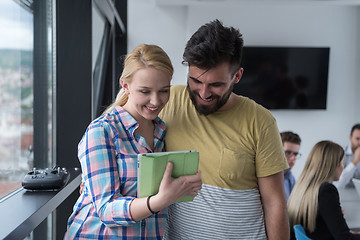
[164, 26]
[275, 24]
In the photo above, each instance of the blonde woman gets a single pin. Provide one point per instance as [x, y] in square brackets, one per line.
[314, 201]
[108, 207]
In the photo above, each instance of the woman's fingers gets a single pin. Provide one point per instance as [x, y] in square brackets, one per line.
[168, 170]
[174, 188]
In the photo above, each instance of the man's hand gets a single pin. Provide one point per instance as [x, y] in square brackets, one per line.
[356, 159]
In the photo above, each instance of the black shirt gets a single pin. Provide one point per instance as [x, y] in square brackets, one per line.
[330, 222]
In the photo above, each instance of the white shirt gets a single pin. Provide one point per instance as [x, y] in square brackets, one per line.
[349, 169]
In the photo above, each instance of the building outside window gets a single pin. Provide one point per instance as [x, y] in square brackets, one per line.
[19, 59]
[36, 109]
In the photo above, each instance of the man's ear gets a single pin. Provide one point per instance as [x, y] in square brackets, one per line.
[238, 74]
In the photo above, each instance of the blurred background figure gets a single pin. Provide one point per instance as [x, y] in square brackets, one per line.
[351, 159]
[291, 144]
[314, 202]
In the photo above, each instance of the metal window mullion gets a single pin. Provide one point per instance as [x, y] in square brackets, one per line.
[40, 61]
[40, 85]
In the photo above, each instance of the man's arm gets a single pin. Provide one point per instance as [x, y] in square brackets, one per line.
[274, 204]
[349, 170]
[346, 176]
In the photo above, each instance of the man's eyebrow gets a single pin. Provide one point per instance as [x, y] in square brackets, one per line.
[194, 78]
[199, 75]
[197, 80]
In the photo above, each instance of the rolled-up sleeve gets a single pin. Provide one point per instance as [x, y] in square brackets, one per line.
[98, 158]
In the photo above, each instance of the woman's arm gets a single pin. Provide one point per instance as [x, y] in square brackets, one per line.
[97, 154]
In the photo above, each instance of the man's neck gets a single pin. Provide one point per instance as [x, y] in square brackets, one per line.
[232, 101]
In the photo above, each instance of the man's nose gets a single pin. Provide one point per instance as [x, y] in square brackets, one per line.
[204, 92]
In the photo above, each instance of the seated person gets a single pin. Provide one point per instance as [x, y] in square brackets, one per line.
[314, 202]
[351, 160]
[291, 144]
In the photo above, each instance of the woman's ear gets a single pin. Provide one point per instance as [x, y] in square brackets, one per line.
[125, 86]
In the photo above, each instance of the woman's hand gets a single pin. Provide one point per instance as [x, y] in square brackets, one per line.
[171, 189]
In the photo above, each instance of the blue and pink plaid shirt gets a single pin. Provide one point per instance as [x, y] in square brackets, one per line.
[108, 156]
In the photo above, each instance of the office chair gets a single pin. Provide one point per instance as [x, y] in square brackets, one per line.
[300, 233]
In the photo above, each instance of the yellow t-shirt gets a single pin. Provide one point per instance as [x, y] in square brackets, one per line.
[235, 146]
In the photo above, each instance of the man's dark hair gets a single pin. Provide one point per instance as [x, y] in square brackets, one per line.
[356, 126]
[213, 44]
[290, 137]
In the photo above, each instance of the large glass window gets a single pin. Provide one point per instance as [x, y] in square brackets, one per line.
[100, 40]
[20, 83]
[109, 45]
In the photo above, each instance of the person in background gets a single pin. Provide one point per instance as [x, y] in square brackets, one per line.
[241, 156]
[351, 159]
[314, 202]
[108, 207]
[291, 144]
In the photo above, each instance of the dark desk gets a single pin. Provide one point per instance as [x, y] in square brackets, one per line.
[25, 210]
[350, 202]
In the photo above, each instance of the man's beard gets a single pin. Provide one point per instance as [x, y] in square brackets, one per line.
[206, 110]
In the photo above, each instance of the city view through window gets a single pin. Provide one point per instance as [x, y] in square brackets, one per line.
[17, 93]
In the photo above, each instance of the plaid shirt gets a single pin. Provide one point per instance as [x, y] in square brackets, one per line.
[108, 156]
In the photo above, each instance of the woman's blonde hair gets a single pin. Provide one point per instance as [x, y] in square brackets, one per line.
[143, 56]
[320, 167]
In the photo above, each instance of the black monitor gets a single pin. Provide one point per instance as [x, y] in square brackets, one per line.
[285, 77]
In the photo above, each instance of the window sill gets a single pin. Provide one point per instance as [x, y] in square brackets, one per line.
[25, 210]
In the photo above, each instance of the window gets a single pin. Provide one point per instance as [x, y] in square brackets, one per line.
[54, 132]
[99, 54]
[109, 45]
[26, 79]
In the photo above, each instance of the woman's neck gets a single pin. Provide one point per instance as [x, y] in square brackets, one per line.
[146, 130]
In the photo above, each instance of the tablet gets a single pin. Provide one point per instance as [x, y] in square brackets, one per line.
[151, 168]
